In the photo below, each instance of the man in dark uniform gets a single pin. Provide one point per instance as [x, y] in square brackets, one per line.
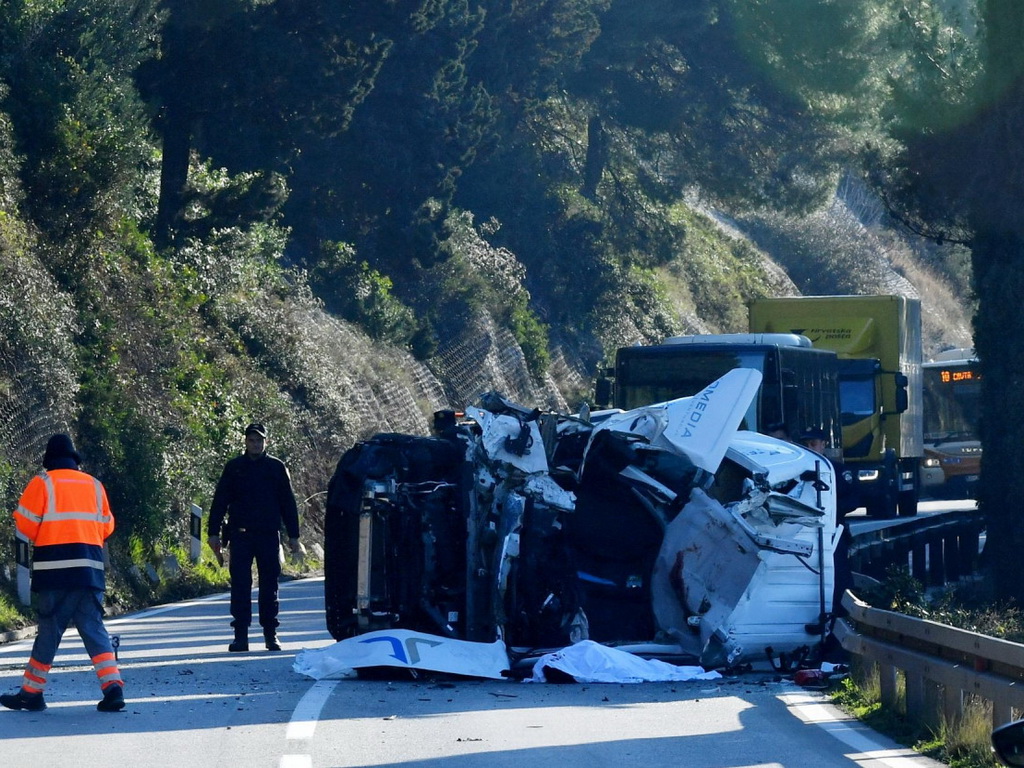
[255, 493]
[847, 500]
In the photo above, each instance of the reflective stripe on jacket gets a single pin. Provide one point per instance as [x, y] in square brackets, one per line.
[66, 515]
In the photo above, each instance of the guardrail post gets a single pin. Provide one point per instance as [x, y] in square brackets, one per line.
[918, 561]
[887, 684]
[922, 700]
[900, 553]
[196, 529]
[970, 539]
[952, 703]
[952, 556]
[1002, 712]
[936, 568]
[875, 565]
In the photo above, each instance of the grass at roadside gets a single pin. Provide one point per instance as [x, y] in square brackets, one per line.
[961, 744]
[11, 616]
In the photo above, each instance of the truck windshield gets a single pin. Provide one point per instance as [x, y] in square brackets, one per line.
[857, 399]
[647, 375]
[952, 401]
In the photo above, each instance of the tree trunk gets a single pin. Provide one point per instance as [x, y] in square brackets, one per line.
[998, 261]
[597, 156]
[178, 80]
[177, 145]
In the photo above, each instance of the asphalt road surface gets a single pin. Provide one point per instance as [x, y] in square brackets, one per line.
[191, 703]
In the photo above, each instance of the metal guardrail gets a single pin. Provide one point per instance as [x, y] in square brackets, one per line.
[938, 549]
[940, 664]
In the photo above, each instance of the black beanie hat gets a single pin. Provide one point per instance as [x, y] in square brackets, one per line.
[59, 449]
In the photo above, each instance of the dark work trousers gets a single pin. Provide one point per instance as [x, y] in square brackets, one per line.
[56, 610]
[263, 548]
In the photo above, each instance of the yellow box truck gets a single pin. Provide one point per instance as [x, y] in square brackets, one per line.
[878, 341]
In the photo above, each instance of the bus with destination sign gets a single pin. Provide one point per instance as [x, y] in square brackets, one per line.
[952, 406]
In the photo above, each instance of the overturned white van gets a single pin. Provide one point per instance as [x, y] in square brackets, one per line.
[666, 531]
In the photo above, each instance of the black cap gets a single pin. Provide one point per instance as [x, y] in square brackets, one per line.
[814, 433]
[60, 451]
[256, 427]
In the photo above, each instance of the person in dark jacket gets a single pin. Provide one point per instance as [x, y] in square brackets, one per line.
[252, 501]
[65, 514]
[847, 500]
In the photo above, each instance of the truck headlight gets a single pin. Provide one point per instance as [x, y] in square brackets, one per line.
[930, 462]
[868, 475]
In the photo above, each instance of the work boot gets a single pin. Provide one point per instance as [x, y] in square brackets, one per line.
[241, 642]
[113, 699]
[273, 644]
[31, 702]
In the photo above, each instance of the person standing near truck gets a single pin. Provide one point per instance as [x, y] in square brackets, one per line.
[847, 500]
[64, 512]
[252, 501]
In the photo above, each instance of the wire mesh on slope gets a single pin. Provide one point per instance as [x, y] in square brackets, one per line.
[27, 421]
[485, 357]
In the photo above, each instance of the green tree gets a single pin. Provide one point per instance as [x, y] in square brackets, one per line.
[935, 90]
[76, 117]
[254, 87]
[963, 181]
[408, 142]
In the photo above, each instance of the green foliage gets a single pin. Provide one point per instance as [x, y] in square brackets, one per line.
[489, 279]
[362, 295]
[216, 200]
[116, 437]
[76, 116]
[898, 591]
[532, 336]
[12, 616]
[37, 325]
[858, 60]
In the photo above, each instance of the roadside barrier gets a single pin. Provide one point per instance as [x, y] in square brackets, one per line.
[937, 549]
[941, 665]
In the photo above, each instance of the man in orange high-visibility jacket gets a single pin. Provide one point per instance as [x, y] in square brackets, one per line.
[64, 512]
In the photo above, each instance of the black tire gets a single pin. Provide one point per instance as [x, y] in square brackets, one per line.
[907, 504]
[884, 506]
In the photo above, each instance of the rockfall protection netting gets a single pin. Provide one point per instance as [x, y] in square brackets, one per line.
[486, 357]
[372, 388]
[27, 420]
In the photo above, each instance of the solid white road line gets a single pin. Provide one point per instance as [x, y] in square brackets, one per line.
[307, 711]
[856, 736]
[304, 720]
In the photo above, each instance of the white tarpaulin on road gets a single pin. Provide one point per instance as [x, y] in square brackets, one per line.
[404, 649]
[590, 662]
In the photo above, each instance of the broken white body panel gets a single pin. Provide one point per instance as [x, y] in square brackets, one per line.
[735, 579]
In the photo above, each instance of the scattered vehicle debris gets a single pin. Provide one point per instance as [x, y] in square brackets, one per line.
[665, 531]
